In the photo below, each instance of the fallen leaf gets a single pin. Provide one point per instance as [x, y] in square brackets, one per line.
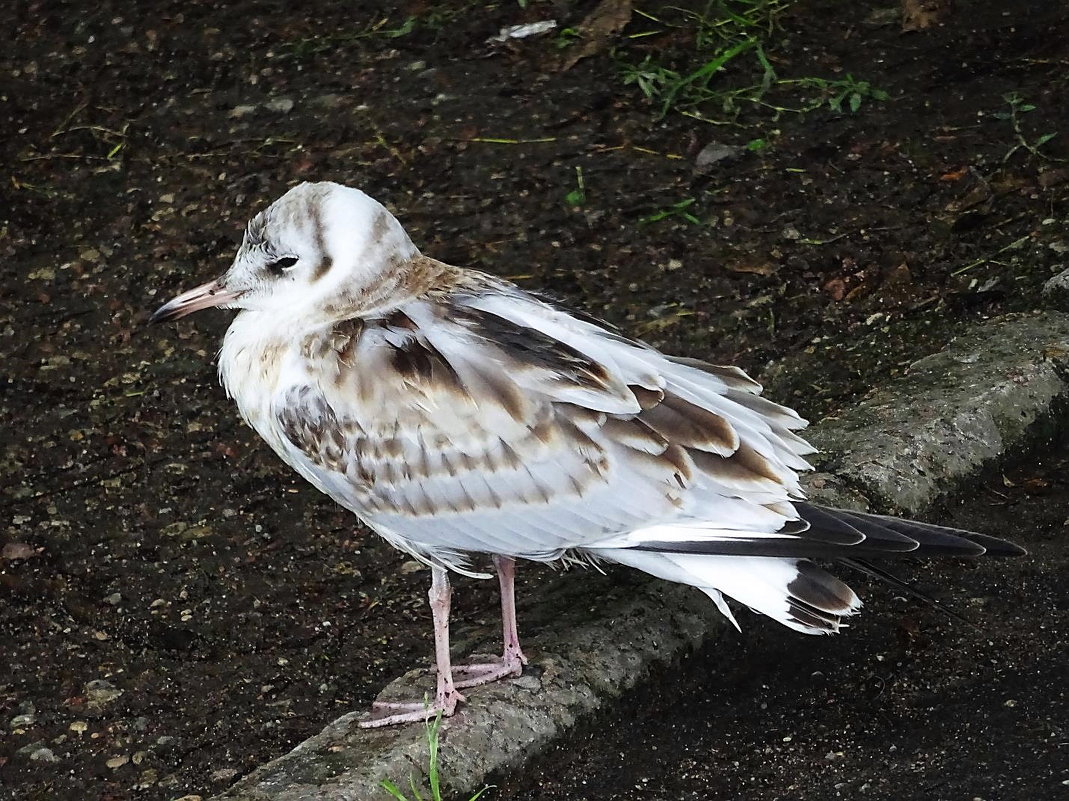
[976, 196]
[917, 15]
[836, 287]
[1035, 486]
[898, 276]
[605, 21]
[17, 550]
[856, 292]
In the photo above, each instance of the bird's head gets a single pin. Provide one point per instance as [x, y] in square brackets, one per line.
[320, 246]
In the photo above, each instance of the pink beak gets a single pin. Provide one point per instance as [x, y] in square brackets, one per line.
[204, 296]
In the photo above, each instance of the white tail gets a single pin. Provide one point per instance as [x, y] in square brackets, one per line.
[796, 592]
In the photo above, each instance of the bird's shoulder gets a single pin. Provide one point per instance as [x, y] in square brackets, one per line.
[461, 335]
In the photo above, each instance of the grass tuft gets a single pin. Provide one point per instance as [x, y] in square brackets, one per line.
[729, 68]
[1018, 107]
[577, 197]
[433, 732]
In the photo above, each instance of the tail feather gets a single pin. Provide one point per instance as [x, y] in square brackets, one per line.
[772, 573]
[820, 590]
[796, 592]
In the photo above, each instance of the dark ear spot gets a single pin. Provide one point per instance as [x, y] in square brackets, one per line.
[279, 266]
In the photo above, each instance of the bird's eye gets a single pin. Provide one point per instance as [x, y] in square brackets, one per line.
[279, 266]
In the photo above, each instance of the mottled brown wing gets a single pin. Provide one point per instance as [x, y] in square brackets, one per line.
[501, 425]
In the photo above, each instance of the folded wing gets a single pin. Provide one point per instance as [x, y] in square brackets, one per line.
[493, 422]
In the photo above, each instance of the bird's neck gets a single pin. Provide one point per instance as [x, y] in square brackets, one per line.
[261, 346]
[399, 284]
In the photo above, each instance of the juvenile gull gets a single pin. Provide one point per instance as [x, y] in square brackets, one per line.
[456, 414]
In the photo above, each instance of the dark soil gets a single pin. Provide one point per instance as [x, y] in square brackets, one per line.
[175, 606]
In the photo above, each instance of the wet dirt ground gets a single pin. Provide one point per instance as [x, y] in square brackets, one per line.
[175, 607]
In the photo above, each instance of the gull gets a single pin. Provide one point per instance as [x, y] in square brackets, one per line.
[456, 414]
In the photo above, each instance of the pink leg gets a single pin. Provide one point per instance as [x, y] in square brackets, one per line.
[512, 660]
[446, 697]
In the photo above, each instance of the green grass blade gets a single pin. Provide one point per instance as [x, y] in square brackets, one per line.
[433, 729]
[706, 71]
[392, 789]
[769, 74]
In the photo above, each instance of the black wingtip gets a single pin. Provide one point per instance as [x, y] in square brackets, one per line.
[994, 546]
[890, 535]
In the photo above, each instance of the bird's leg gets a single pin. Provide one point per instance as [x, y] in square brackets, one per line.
[506, 575]
[446, 697]
[512, 659]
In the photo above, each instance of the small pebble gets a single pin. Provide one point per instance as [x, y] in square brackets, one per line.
[100, 692]
[713, 153]
[44, 755]
[283, 105]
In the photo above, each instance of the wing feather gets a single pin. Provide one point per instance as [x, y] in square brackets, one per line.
[493, 422]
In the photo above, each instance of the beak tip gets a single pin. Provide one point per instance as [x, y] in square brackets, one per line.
[202, 297]
[165, 313]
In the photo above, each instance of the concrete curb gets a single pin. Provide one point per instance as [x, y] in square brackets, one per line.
[955, 412]
[591, 641]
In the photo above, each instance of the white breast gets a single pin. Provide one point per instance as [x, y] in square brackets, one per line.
[253, 365]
